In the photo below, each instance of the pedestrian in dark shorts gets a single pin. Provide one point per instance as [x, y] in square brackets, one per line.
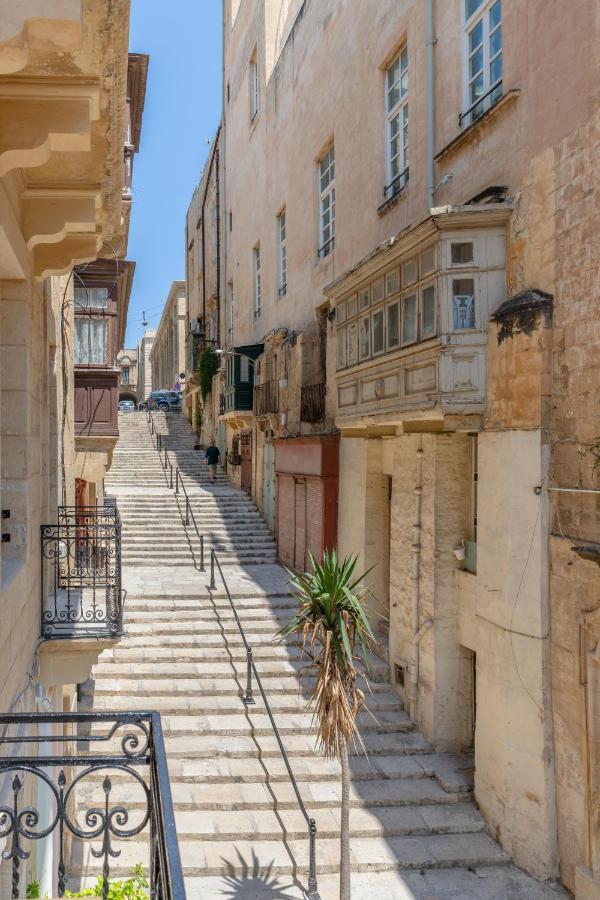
[213, 458]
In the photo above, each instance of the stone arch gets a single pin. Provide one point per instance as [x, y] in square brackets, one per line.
[128, 395]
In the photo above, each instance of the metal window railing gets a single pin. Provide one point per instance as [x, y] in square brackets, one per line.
[266, 398]
[396, 184]
[312, 402]
[81, 573]
[481, 105]
[76, 764]
[326, 248]
[251, 671]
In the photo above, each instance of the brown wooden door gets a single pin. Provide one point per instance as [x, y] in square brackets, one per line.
[300, 525]
[246, 456]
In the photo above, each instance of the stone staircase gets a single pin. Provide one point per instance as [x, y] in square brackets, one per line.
[416, 832]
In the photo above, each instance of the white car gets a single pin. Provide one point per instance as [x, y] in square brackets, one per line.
[126, 406]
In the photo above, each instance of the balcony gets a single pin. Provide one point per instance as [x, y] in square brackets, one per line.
[81, 574]
[239, 384]
[96, 402]
[86, 785]
[312, 402]
[266, 398]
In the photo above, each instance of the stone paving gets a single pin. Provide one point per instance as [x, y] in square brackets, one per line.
[416, 831]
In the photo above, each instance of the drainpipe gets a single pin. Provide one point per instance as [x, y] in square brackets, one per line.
[44, 847]
[416, 586]
[429, 90]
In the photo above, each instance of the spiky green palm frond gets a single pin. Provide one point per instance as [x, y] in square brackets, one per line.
[332, 621]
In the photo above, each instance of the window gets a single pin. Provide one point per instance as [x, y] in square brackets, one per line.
[397, 123]
[483, 56]
[428, 312]
[257, 286]
[244, 368]
[364, 298]
[254, 87]
[91, 336]
[282, 247]
[341, 348]
[393, 325]
[377, 332]
[409, 319]
[463, 303]
[461, 253]
[125, 371]
[327, 203]
[90, 297]
[364, 339]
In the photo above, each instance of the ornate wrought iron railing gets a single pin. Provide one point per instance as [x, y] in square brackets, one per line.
[88, 778]
[81, 573]
[312, 402]
[266, 398]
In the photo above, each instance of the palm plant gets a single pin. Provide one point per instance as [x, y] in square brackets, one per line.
[332, 622]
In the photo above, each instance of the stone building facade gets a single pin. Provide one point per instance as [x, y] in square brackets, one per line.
[127, 363]
[63, 80]
[167, 355]
[144, 365]
[418, 250]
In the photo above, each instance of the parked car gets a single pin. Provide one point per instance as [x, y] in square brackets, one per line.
[164, 400]
[126, 406]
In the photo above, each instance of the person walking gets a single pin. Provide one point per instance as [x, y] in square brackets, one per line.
[213, 458]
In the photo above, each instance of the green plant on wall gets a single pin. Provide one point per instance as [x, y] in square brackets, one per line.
[208, 366]
[198, 420]
[132, 889]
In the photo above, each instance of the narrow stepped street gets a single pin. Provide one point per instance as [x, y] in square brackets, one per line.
[416, 832]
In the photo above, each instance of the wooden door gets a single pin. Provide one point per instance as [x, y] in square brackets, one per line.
[300, 525]
[246, 457]
[269, 482]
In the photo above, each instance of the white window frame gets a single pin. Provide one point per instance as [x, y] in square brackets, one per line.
[326, 167]
[254, 87]
[398, 110]
[282, 253]
[257, 280]
[481, 14]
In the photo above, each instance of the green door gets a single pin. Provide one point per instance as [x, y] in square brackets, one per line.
[269, 480]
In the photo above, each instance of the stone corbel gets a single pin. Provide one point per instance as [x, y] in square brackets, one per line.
[49, 215]
[37, 120]
[58, 259]
[25, 27]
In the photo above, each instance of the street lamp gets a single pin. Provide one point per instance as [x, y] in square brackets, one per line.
[221, 352]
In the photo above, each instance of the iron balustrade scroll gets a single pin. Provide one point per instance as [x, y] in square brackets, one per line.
[81, 573]
[174, 479]
[95, 778]
[248, 700]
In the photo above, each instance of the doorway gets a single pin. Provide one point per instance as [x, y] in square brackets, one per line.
[246, 461]
[269, 480]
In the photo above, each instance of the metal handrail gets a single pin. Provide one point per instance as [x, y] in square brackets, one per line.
[480, 100]
[248, 699]
[176, 483]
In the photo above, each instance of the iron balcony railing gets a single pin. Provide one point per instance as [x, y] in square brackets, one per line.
[396, 184]
[312, 402]
[97, 779]
[176, 482]
[481, 105]
[81, 573]
[266, 398]
[221, 404]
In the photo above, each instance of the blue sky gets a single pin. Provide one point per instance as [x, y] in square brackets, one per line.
[183, 108]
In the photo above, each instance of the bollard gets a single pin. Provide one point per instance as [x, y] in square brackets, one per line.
[212, 585]
[313, 890]
[177, 480]
[202, 553]
[187, 512]
[171, 483]
[249, 699]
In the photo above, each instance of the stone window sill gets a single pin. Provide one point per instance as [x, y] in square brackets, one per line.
[469, 133]
[392, 201]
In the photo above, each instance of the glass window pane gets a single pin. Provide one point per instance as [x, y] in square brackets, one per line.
[364, 298]
[352, 355]
[90, 344]
[463, 303]
[428, 312]
[392, 282]
[427, 261]
[495, 14]
[404, 60]
[352, 307]
[341, 311]
[409, 271]
[496, 70]
[378, 331]
[471, 6]
[91, 297]
[476, 37]
[475, 63]
[476, 91]
[365, 338]
[496, 42]
[377, 290]
[409, 319]
[341, 348]
[462, 253]
[393, 325]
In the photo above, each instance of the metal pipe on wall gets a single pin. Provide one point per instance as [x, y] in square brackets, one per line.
[430, 118]
[416, 585]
